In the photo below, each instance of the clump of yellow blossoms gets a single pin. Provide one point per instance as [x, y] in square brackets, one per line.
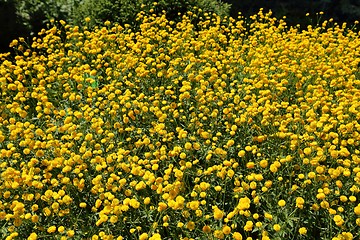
[228, 129]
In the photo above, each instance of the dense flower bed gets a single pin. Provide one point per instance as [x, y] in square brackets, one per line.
[227, 129]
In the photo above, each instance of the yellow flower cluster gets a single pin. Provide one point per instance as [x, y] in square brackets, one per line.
[227, 129]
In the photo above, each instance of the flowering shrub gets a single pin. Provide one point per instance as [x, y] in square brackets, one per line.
[223, 130]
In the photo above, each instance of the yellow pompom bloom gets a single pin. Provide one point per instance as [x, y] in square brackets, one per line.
[241, 153]
[357, 221]
[194, 205]
[218, 234]
[307, 151]
[143, 236]
[248, 226]
[206, 229]
[134, 203]
[70, 233]
[320, 196]
[244, 203]
[226, 230]
[282, 203]
[51, 229]
[188, 146]
[338, 220]
[302, 231]
[353, 199]
[156, 236]
[273, 168]
[299, 201]
[277, 227]
[237, 236]
[230, 143]
[147, 200]
[61, 229]
[357, 209]
[218, 214]
[190, 225]
[263, 163]
[33, 236]
[162, 206]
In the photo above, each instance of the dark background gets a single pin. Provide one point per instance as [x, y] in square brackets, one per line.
[12, 27]
[295, 10]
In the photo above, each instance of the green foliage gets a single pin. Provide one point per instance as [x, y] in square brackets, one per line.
[220, 8]
[124, 12]
[35, 14]
[102, 10]
[27, 17]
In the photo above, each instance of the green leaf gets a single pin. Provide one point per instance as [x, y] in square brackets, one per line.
[95, 84]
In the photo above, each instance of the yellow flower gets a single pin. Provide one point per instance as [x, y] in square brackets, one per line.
[51, 229]
[244, 203]
[237, 236]
[82, 205]
[282, 203]
[248, 226]
[182, 155]
[250, 165]
[357, 221]
[47, 211]
[321, 196]
[33, 236]
[273, 168]
[74, 120]
[134, 203]
[188, 146]
[338, 220]
[302, 231]
[357, 209]
[353, 199]
[263, 163]
[35, 218]
[230, 142]
[307, 151]
[61, 229]
[196, 146]
[147, 201]
[311, 175]
[241, 153]
[226, 230]
[194, 205]
[156, 236]
[143, 236]
[204, 186]
[218, 234]
[70, 233]
[113, 219]
[162, 206]
[268, 216]
[206, 229]
[190, 225]
[218, 214]
[277, 227]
